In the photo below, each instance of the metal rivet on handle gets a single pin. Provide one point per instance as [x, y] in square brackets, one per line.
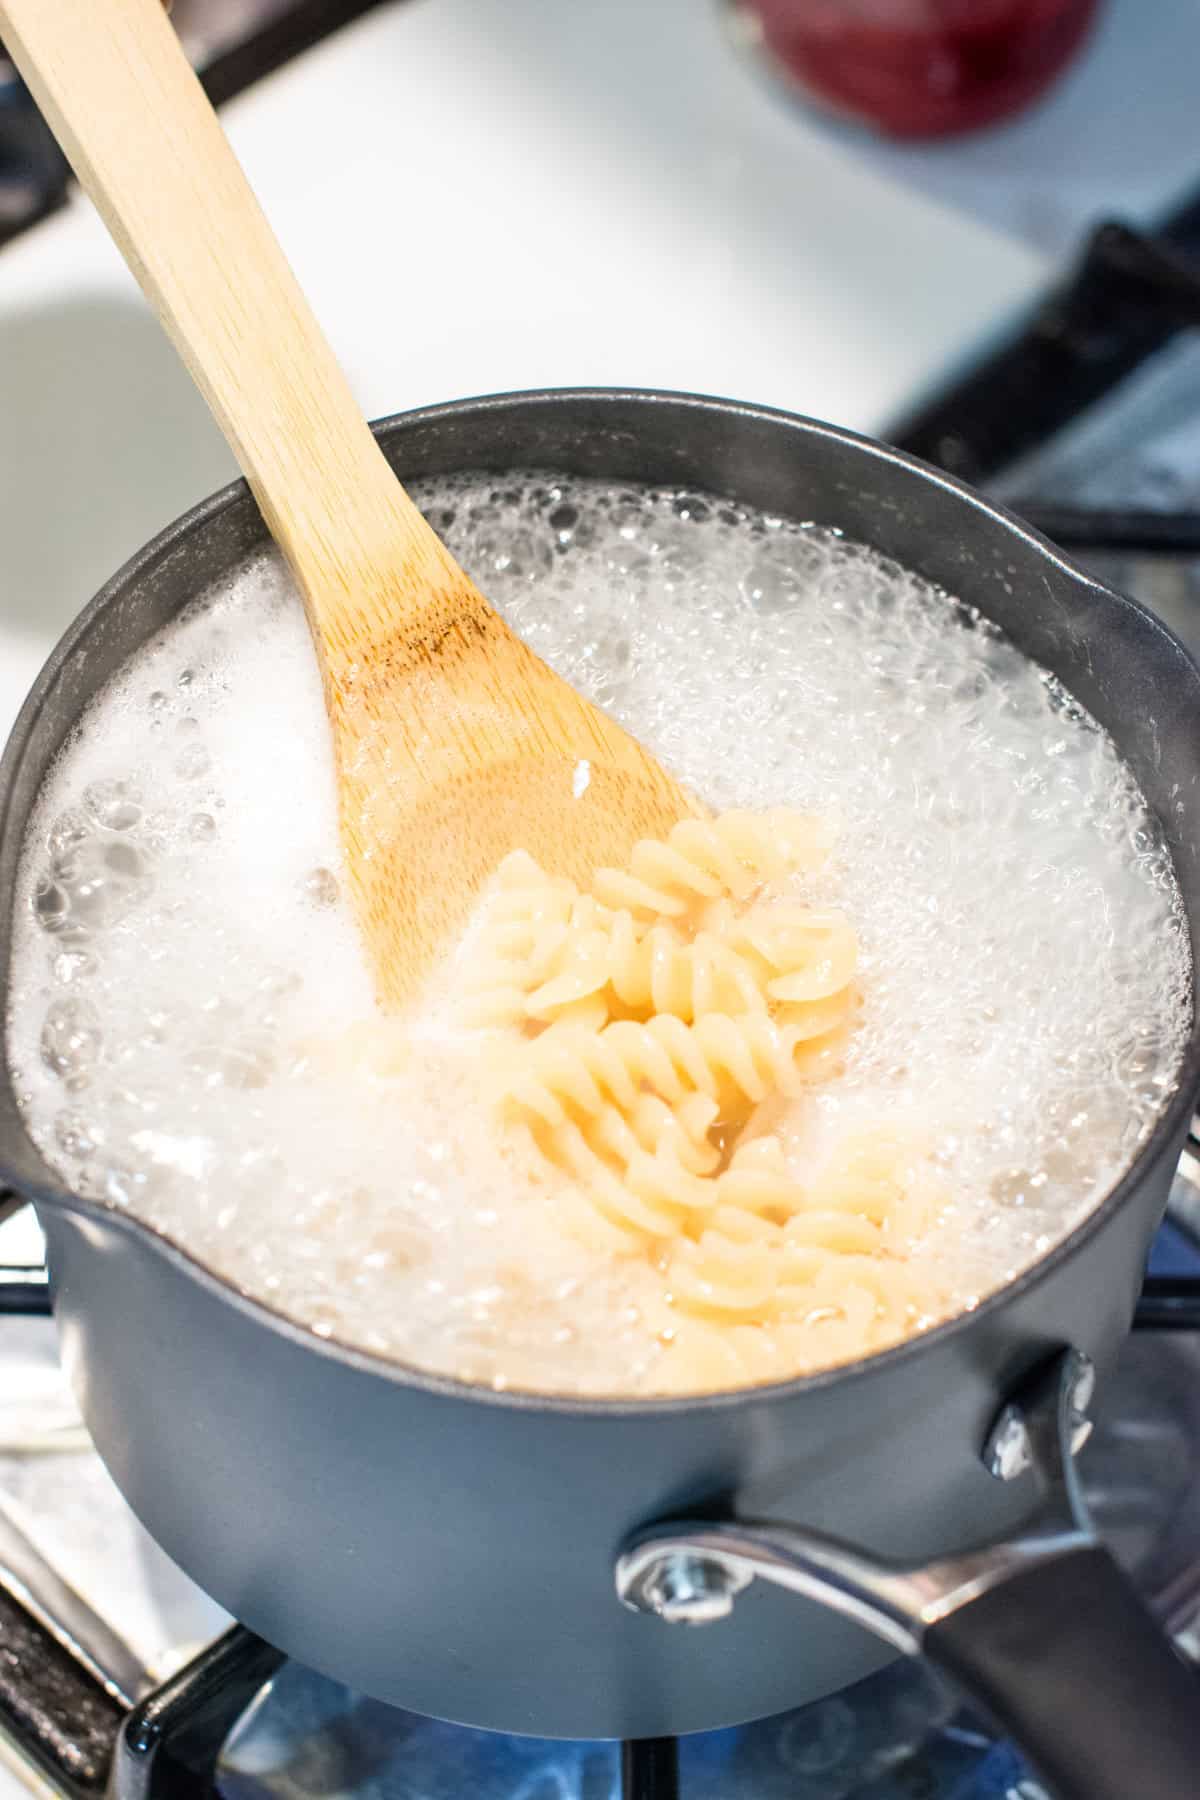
[691, 1590]
[1007, 1452]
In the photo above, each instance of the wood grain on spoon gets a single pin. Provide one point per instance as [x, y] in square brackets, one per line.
[453, 742]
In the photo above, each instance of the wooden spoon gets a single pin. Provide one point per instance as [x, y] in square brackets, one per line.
[454, 743]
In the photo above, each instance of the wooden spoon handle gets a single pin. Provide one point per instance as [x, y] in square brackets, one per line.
[120, 96]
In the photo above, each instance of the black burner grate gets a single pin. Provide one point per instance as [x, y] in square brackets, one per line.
[34, 176]
[650, 1769]
[170, 1743]
[1129, 296]
[63, 1719]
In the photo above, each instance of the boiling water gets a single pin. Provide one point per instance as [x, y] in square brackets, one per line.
[188, 979]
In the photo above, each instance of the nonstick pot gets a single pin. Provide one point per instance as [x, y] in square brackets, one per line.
[453, 1550]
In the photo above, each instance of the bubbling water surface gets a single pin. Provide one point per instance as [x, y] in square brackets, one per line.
[189, 983]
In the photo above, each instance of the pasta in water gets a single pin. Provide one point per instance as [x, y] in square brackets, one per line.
[841, 1058]
[650, 1024]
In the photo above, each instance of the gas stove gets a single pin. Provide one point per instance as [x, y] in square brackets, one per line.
[119, 1678]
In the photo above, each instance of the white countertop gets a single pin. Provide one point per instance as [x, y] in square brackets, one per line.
[481, 195]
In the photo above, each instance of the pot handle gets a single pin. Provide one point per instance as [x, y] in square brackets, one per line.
[1043, 1630]
[1071, 1665]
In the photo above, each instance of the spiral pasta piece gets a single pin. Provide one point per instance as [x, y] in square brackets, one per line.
[735, 1062]
[702, 859]
[849, 1318]
[758, 1184]
[647, 971]
[545, 950]
[834, 1308]
[774, 1250]
[808, 953]
[525, 922]
[648, 1198]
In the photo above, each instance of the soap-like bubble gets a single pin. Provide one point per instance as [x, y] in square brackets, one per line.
[71, 1040]
[70, 828]
[221, 1070]
[113, 804]
[321, 888]
[97, 883]
[772, 584]
[51, 906]
[519, 555]
[76, 1135]
[573, 530]
[70, 967]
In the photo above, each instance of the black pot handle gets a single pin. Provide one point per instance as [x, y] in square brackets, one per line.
[1071, 1665]
[1044, 1631]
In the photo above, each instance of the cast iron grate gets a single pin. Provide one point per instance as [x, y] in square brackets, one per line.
[34, 177]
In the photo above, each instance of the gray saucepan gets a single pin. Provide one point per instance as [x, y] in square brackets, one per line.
[457, 1551]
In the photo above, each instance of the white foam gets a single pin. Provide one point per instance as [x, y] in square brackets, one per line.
[1025, 972]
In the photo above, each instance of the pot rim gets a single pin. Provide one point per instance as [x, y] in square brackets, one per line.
[1168, 1129]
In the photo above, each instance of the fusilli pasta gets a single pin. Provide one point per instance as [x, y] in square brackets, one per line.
[651, 1019]
[646, 971]
[736, 1062]
[704, 859]
[543, 948]
[782, 1279]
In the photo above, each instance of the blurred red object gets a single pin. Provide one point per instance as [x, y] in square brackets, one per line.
[921, 68]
